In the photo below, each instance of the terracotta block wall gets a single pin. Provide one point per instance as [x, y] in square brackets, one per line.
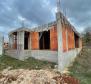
[53, 38]
[71, 39]
[15, 45]
[67, 32]
[34, 40]
[64, 29]
[15, 42]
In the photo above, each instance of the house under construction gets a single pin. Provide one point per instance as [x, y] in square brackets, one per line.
[55, 42]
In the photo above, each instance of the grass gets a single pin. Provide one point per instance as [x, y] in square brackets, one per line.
[30, 63]
[84, 77]
[81, 68]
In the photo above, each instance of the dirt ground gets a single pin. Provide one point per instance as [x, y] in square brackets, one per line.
[22, 76]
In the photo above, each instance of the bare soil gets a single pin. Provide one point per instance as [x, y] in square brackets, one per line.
[22, 76]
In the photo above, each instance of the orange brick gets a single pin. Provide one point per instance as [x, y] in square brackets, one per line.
[53, 38]
[35, 40]
[64, 37]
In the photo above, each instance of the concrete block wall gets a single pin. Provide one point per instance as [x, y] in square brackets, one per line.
[68, 57]
[25, 54]
[46, 55]
[21, 55]
[43, 55]
[13, 53]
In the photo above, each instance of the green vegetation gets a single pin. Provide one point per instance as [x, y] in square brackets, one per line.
[85, 78]
[81, 68]
[87, 39]
[30, 63]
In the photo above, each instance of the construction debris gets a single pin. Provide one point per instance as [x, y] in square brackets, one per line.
[22, 76]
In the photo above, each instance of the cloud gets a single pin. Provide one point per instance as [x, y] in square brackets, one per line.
[79, 11]
[37, 12]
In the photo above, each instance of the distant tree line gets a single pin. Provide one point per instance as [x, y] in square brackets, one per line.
[87, 37]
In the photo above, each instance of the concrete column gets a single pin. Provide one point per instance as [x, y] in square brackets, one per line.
[11, 41]
[17, 41]
[60, 44]
[20, 40]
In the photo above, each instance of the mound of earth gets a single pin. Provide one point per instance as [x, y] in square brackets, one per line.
[22, 76]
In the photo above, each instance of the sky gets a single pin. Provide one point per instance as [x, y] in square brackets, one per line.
[38, 12]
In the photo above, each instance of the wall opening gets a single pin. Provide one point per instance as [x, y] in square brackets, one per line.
[26, 40]
[76, 41]
[44, 40]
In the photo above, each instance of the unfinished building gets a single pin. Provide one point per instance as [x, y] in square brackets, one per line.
[55, 42]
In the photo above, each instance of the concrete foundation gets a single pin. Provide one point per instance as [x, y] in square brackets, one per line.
[14, 54]
[67, 58]
[44, 55]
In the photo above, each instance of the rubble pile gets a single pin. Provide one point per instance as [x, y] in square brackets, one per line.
[22, 76]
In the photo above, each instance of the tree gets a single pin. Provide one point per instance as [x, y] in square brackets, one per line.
[87, 37]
